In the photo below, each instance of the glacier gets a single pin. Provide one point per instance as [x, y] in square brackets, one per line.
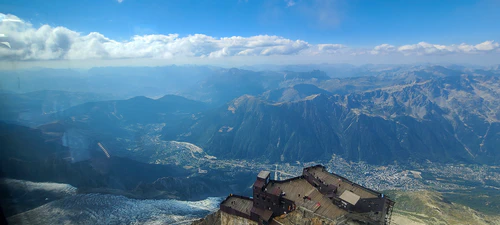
[61, 204]
[115, 209]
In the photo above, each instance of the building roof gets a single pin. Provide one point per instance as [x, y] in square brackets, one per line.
[342, 183]
[350, 197]
[263, 174]
[297, 189]
[243, 205]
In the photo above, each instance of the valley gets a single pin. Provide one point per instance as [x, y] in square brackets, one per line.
[451, 180]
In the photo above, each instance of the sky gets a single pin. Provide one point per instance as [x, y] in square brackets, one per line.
[127, 32]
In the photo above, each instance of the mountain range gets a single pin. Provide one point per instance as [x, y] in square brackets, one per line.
[392, 113]
[187, 132]
[444, 116]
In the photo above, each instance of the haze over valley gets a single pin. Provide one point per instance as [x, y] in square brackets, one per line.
[398, 127]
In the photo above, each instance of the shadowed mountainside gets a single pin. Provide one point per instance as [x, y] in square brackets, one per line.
[445, 119]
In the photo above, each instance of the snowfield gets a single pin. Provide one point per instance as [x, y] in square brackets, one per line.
[113, 209]
[29, 186]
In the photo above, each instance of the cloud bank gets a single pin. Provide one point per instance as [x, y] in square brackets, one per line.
[424, 48]
[29, 43]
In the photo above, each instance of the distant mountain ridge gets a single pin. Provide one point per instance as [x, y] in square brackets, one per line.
[447, 119]
[30, 108]
[137, 109]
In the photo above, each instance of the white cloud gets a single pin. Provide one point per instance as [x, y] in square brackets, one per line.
[9, 18]
[329, 49]
[119, 1]
[424, 48]
[290, 3]
[487, 46]
[383, 49]
[28, 43]
[46, 43]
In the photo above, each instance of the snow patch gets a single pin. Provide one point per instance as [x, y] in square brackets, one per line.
[39, 186]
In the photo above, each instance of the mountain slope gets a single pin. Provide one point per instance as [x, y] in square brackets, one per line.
[427, 207]
[294, 93]
[444, 119]
[135, 110]
[228, 84]
[122, 125]
[26, 154]
[465, 106]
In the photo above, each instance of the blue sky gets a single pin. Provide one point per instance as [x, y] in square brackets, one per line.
[349, 22]
[356, 24]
